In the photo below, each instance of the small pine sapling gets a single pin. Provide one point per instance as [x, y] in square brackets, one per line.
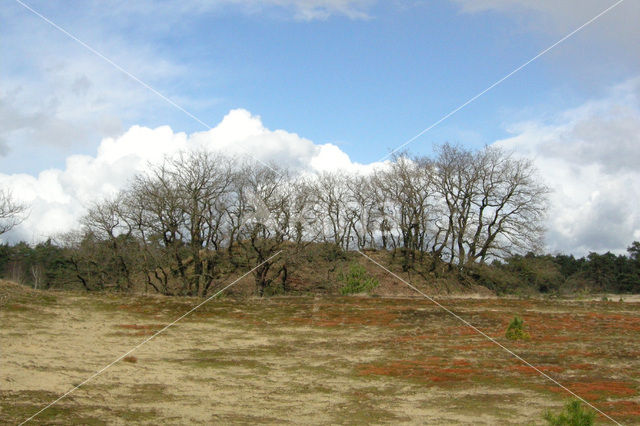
[573, 415]
[516, 331]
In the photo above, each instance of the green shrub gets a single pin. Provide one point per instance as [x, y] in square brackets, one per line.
[357, 280]
[495, 278]
[537, 272]
[515, 331]
[573, 415]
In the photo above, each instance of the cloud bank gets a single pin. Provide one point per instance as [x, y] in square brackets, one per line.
[618, 29]
[564, 15]
[59, 197]
[590, 157]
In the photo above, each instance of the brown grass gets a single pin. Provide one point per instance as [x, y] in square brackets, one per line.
[312, 359]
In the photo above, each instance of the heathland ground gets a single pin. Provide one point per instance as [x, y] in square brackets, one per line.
[311, 359]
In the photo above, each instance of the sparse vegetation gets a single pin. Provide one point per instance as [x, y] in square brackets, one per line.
[350, 359]
[313, 267]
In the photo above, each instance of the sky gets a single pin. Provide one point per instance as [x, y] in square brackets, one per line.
[322, 84]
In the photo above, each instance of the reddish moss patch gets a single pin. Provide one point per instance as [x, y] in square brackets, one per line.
[463, 330]
[525, 369]
[578, 353]
[622, 408]
[473, 346]
[582, 366]
[334, 317]
[549, 325]
[554, 339]
[615, 321]
[457, 371]
[17, 307]
[429, 370]
[599, 389]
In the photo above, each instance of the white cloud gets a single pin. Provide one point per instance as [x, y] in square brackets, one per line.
[590, 156]
[58, 198]
[587, 155]
[57, 98]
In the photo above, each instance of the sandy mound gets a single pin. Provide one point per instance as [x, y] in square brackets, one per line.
[11, 291]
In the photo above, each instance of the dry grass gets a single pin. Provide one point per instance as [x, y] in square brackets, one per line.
[343, 360]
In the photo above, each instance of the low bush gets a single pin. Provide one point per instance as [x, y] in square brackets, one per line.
[357, 280]
[516, 331]
[573, 415]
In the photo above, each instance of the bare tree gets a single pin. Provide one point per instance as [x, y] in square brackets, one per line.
[363, 212]
[36, 274]
[105, 220]
[407, 197]
[198, 216]
[178, 211]
[201, 181]
[493, 205]
[330, 204]
[12, 213]
[89, 257]
[270, 227]
[509, 207]
[454, 183]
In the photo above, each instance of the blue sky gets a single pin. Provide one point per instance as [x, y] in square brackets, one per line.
[363, 75]
[369, 82]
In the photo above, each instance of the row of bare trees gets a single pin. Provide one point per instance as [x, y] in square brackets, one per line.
[462, 207]
[188, 221]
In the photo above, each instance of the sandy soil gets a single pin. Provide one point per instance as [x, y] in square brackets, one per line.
[309, 360]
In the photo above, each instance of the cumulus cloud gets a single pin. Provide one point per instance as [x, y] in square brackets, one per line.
[59, 197]
[589, 156]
